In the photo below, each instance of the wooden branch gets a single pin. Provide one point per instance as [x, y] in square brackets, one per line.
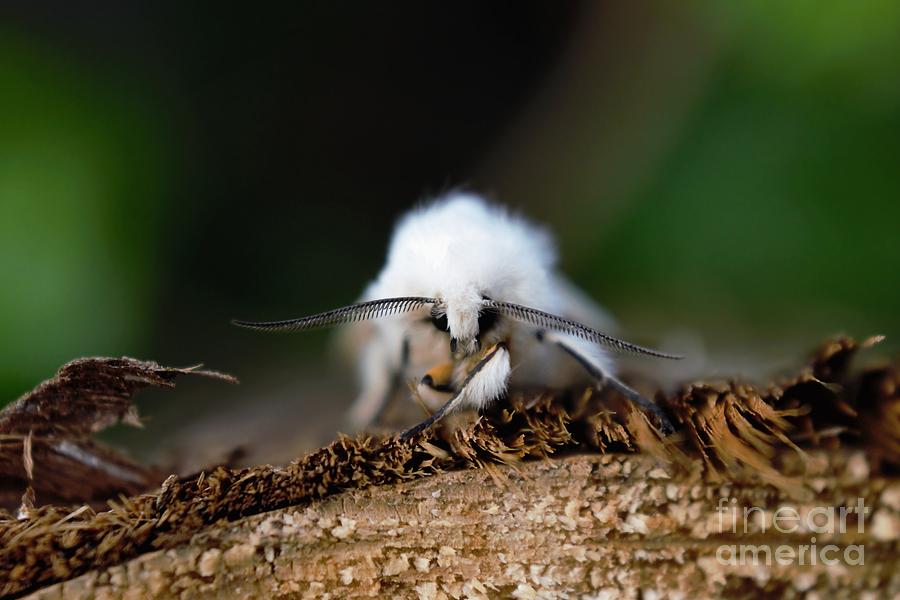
[613, 525]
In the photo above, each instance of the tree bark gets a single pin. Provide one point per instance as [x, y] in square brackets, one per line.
[586, 526]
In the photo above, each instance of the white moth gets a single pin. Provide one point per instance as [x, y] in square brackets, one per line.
[470, 302]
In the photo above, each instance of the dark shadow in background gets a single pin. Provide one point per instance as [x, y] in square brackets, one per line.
[295, 138]
[714, 175]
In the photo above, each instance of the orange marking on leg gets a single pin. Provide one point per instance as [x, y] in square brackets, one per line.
[439, 377]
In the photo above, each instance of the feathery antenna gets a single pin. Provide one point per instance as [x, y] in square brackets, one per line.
[545, 320]
[363, 311]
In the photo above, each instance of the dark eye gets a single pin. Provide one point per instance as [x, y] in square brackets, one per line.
[440, 323]
[487, 320]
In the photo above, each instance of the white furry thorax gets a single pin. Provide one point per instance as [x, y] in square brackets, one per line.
[461, 249]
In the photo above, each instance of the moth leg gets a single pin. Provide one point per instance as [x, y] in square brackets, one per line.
[606, 379]
[440, 377]
[381, 384]
[484, 383]
[436, 387]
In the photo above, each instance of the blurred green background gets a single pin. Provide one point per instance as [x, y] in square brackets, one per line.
[723, 177]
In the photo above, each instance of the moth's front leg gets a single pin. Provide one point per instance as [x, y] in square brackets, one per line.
[382, 376]
[485, 382]
[571, 347]
[436, 386]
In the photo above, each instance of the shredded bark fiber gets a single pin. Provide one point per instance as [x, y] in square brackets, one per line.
[46, 447]
[725, 429]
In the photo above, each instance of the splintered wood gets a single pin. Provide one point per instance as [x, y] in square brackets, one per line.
[612, 508]
[51, 427]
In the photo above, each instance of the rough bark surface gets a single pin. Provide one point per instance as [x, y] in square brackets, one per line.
[571, 495]
[587, 526]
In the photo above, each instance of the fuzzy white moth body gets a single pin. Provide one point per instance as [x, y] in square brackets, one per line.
[462, 249]
[470, 298]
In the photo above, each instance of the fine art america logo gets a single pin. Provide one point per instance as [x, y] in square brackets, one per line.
[824, 525]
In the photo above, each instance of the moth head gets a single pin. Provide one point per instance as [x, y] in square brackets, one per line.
[470, 324]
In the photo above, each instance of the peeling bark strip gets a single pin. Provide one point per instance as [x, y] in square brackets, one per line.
[587, 526]
[47, 432]
[727, 431]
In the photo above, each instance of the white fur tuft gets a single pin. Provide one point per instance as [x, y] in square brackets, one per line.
[489, 383]
[460, 249]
